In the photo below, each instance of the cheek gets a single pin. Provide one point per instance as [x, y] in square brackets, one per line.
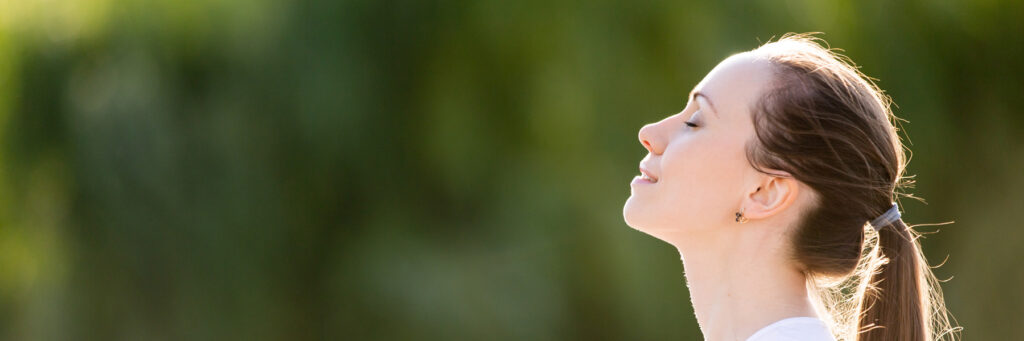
[701, 178]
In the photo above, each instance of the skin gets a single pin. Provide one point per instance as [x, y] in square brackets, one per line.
[740, 276]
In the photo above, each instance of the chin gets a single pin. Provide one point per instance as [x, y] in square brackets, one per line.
[631, 214]
[648, 222]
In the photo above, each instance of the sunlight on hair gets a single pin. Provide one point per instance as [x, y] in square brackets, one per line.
[817, 88]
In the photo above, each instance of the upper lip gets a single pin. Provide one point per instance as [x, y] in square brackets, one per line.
[648, 173]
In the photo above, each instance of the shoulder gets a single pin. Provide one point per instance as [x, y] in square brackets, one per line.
[794, 329]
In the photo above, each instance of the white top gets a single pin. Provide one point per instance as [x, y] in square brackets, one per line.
[794, 329]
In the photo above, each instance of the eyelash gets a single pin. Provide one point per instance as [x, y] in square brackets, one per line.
[691, 124]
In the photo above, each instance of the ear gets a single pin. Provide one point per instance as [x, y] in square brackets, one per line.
[773, 195]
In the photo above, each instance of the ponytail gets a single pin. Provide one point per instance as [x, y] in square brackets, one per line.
[899, 296]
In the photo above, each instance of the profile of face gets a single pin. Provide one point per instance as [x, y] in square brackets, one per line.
[699, 176]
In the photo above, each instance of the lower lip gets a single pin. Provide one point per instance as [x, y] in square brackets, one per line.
[640, 180]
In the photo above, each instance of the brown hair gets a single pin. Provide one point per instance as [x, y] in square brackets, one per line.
[831, 127]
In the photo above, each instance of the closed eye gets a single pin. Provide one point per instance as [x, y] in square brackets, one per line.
[691, 124]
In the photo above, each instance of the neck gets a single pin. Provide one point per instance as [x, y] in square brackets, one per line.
[742, 282]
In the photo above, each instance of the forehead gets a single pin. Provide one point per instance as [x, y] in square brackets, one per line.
[736, 82]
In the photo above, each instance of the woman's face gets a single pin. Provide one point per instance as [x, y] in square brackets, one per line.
[700, 172]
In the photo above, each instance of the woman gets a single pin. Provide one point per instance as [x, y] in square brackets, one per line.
[777, 184]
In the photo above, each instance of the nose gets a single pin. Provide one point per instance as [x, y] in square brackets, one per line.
[649, 138]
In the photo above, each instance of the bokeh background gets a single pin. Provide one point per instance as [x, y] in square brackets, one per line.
[449, 170]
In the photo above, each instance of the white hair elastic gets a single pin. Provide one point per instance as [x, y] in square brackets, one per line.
[889, 217]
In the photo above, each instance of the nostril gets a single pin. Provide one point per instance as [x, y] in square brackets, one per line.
[644, 134]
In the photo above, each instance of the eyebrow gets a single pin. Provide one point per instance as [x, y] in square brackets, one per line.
[693, 97]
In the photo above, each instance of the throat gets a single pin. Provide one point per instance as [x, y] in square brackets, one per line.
[734, 294]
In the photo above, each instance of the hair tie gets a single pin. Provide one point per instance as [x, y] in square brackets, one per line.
[889, 217]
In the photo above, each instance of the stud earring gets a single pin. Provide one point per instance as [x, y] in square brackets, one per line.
[740, 218]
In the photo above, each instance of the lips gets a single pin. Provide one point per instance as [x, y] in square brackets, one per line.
[647, 175]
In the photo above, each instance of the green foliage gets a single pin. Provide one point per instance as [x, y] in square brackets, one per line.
[391, 170]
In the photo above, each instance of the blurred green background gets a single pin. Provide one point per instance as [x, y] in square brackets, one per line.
[421, 170]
